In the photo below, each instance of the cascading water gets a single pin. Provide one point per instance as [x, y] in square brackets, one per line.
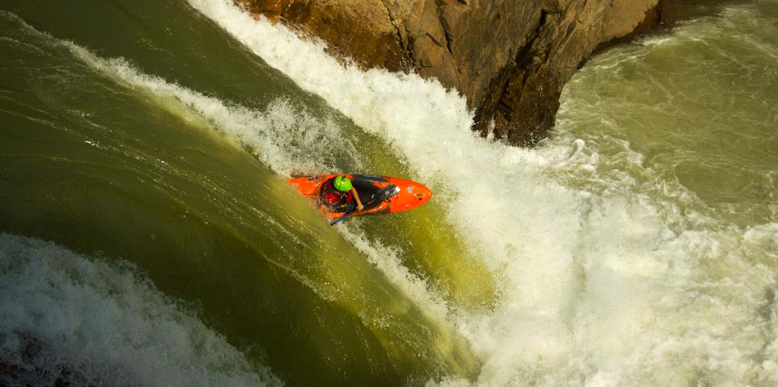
[636, 246]
[68, 318]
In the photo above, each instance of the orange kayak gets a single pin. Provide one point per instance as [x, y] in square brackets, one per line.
[379, 194]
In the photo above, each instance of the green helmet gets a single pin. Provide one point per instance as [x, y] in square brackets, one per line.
[342, 183]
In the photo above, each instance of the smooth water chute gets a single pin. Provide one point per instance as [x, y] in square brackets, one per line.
[211, 208]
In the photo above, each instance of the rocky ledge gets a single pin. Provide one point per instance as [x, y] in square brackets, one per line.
[509, 58]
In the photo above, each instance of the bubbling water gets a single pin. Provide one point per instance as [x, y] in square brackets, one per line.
[67, 318]
[601, 287]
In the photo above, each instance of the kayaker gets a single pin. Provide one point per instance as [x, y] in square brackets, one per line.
[339, 195]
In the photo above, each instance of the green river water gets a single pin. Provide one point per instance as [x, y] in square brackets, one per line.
[148, 235]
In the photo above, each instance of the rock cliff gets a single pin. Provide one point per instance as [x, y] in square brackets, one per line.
[509, 58]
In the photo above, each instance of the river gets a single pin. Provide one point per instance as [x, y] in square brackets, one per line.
[148, 235]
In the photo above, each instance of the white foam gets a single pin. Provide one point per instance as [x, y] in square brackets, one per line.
[285, 137]
[600, 290]
[87, 322]
[386, 260]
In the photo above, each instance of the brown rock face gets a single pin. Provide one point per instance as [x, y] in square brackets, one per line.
[509, 58]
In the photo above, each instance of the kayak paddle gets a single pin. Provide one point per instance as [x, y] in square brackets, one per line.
[382, 194]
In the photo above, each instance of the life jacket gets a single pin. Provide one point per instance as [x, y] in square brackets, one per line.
[336, 200]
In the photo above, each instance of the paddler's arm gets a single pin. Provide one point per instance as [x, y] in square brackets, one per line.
[356, 196]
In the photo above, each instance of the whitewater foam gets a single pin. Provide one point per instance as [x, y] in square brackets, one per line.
[70, 319]
[603, 288]
[386, 260]
[286, 136]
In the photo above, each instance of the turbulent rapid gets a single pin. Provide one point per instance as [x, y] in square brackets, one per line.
[148, 235]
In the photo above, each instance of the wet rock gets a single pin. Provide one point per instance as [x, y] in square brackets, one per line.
[510, 59]
[29, 361]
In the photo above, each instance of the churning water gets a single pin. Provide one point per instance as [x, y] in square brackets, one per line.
[637, 246]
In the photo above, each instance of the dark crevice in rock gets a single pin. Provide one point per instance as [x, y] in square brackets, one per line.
[510, 59]
[439, 4]
[432, 38]
[286, 9]
[553, 6]
[512, 84]
[408, 61]
[660, 12]
[410, 53]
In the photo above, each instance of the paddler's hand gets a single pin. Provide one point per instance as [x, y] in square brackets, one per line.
[356, 196]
